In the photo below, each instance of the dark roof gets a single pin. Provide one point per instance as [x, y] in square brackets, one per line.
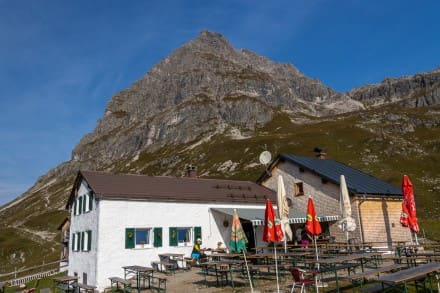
[357, 182]
[66, 219]
[130, 186]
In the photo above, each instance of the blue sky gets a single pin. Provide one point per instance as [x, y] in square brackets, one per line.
[61, 61]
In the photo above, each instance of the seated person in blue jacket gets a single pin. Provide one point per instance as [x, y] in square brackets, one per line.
[198, 252]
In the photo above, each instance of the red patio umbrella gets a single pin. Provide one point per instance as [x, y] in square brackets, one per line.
[272, 232]
[410, 203]
[272, 225]
[313, 227]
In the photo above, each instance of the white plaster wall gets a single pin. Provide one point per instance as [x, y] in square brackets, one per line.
[117, 215]
[84, 261]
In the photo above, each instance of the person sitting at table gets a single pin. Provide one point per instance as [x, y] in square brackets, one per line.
[197, 253]
[305, 239]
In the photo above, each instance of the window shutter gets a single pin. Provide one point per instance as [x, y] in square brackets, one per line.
[74, 207]
[89, 240]
[78, 241]
[90, 201]
[157, 237]
[80, 205]
[82, 241]
[173, 236]
[73, 241]
[85, 202]
[129, 237]
[197, 233]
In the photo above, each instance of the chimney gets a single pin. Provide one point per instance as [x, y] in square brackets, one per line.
[191, 171]
[320, 153]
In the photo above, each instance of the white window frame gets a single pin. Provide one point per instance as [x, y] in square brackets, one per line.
[191, 236]
[78, 207]
[86, 241]
[86, 203]
[150, 238]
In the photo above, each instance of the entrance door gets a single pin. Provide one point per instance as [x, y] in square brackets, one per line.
[249, 231]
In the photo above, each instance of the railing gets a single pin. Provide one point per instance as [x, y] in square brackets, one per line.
[33, 273]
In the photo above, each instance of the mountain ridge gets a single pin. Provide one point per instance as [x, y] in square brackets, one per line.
[208, 98]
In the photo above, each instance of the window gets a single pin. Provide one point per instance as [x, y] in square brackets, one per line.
[299, 189]
[138, 237]
[76, 241]
[142, 237]
[182, 236]
[88, 202]
[86, 241]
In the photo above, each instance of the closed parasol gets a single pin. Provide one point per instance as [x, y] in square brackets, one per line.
[272, 232]
[238, 240]
[347, 223]
[410, 203]
[283, 209]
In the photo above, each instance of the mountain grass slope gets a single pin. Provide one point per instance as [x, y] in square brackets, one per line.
[386, 142]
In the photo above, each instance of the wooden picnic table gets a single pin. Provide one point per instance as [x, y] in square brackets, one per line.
[359, 277]
[340, 263]
[223, 269]
[223, 256]
[411, 274]
[66, 283]
[141, 274]
[173, 257]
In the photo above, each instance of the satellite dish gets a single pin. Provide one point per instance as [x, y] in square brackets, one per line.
[265, 157]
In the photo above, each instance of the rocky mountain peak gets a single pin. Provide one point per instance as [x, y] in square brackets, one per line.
[210, 41]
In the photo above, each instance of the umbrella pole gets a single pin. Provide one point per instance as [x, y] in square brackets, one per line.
[247, 269]
[317, 258]
[417, 240]
[276, 266]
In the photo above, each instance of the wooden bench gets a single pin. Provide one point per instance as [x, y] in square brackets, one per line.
[330, 269]
[86, 288]
[374, 272]
[161, 285]
[119, 281]
[164, 266]
[359, 277]
[189, 262]
[373, 289]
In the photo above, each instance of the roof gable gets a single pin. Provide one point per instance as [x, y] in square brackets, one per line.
[358, 182]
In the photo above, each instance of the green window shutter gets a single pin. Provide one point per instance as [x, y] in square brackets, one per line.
[82, 241]
[73, 241]
[74, 207]
[80, 204]
[90, 201]
[197, 233]
[89, 240]
[85, 201]
[157, 237]
[129, 237]
[78, 241]
[173, 236]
